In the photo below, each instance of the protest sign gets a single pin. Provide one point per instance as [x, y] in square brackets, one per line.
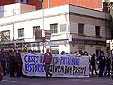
[61, 66]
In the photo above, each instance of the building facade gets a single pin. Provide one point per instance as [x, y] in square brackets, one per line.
[92, 4]
[108, 7]
[35, 3]
[15, 9]
[70, 28]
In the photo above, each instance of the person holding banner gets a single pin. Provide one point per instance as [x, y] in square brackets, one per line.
[47, 61]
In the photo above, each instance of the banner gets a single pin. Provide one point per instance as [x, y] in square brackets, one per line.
[61, 66]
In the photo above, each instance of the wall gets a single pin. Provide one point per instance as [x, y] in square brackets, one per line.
[90, 49]
[89, 25]
[1, 11]
[90, 19]
[93, 4]
[15, 9]
[36, 3]
[73, 48]
[6, 2]
[27, 8]
[10, 10]
[65, 48]
[97, 4]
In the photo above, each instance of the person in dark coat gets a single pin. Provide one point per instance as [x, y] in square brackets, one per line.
[47, 61]
[112, 63]
[108, 62]
[102, 63]
[93, 64]
[3, 61]
[11, 64]
[19, 65]
[15, 62]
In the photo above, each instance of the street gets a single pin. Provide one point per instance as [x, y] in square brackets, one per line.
[94, 80]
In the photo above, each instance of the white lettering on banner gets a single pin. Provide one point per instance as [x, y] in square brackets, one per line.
[60, 67]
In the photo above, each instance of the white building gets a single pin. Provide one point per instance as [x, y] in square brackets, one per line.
[72, 28]
[15, 9]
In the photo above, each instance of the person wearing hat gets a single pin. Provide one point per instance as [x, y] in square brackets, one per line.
[102, 62]
[47, 61]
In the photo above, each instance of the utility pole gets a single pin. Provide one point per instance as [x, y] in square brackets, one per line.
[13, 31]
[43, 32]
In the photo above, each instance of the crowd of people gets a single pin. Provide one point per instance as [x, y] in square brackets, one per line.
[102, 62]
[11, 62]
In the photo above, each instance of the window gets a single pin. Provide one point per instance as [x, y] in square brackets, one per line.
[5, 36]
[97, 31]
[34, 29]
[63, 27]
[22, 1]
[21, 32]
[37, 32]
[80, 28]
[54, 28]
